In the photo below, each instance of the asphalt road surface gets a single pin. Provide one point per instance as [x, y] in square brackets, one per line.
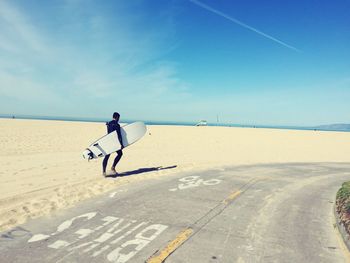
[266, 213]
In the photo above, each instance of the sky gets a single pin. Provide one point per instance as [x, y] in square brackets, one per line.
[246, 61]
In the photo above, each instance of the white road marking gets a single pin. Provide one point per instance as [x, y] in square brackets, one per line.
[113, 194]
[212, 182]
[38, 237]
[97, 253]
[117, 233]
[194, 181]
[104, 237]
[115, 225]
[80, 246]
[141, 240]
[84, 232]
[128, 233]
[91, 243]
[59, 244]
[66, 224]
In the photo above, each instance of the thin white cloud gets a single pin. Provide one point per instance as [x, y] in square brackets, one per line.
[23, 88]
[17, 29]
[240, 23]
[88, 58]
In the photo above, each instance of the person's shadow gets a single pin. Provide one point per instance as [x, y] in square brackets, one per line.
[141, 170]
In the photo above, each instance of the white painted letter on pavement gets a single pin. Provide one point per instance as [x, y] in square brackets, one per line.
[141, 240]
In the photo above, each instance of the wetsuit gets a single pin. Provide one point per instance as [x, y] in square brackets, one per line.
[111, 127]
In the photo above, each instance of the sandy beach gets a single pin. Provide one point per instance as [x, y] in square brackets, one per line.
[42, 169]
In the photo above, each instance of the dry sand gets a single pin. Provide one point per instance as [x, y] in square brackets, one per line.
[42, 168]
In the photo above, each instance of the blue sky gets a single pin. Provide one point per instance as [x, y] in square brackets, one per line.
[250, 62]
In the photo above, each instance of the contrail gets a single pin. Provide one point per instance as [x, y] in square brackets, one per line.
[200, 4]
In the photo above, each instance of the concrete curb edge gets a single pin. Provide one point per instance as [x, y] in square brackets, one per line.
[341, 228]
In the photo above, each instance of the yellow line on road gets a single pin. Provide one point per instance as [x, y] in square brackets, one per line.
[171, 247]
[232, 196]
[183, 236]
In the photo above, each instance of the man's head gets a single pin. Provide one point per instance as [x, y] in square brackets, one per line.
[116, 116]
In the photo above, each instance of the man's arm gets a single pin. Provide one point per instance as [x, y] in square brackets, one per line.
[119, 135]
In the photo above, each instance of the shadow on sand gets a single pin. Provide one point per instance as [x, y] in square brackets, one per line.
[142, 170]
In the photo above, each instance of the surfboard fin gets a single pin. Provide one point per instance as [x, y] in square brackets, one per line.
[87, 154]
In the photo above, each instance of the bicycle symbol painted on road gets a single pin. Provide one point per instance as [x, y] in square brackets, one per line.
[194, 181]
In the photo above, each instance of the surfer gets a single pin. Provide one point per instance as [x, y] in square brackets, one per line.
[113, 125]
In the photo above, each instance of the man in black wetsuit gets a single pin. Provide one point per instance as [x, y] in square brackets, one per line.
[113, 125]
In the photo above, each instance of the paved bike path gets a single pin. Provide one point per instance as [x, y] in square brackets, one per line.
[267, 213]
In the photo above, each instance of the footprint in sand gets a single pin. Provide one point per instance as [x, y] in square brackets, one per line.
[26, 209]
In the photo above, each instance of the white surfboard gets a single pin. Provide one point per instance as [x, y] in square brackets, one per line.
[110, 143]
